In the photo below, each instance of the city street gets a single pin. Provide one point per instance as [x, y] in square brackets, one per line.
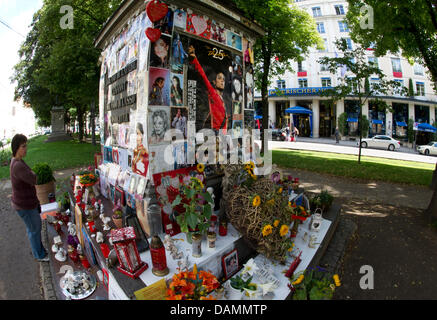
[350, 147]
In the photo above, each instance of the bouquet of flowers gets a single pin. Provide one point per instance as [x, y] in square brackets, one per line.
[88, 179]
[192, 285]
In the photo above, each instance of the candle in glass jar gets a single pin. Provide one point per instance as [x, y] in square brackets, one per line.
[159, 259]
[223, 229]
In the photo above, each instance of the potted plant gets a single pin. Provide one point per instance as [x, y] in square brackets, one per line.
[323, 200]
[64, 201]
[326, 200]
[314, 285]
[45, 181]
[239, 285]
[198, 205]
[117, 217]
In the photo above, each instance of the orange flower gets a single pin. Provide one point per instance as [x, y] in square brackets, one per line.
[210, 297]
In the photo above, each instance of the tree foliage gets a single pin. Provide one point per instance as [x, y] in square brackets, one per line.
[353, 81]
[402, 26]
[289, 34]
[58, 65]
[409, 27]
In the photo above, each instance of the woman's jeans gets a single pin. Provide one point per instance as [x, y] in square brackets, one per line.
[32, 219]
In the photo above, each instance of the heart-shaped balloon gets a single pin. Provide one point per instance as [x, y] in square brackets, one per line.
[199, 24]
[153, 34]
[156, 10]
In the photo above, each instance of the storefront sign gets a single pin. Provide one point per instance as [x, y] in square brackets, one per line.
[297, 91]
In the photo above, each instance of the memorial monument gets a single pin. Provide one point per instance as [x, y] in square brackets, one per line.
[58, 128]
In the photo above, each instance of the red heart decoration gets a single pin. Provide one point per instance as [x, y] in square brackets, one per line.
[153, 34]
[156, 10]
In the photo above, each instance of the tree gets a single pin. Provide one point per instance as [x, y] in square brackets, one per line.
[59, 65]
[402, 26]
[354, 82]
[289, 34]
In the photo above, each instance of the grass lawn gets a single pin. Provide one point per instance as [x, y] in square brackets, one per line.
[59, 155]
[344, 165]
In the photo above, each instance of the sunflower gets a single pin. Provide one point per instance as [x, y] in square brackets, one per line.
[280, 190]
[276, 223]
[200, 168]
[284, 230]
[256, 201]
[267, 230]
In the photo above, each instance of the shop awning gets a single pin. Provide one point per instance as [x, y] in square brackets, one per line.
[401, 124]
[376, 121]
[426, 127]
[298, 110]
[352, 119]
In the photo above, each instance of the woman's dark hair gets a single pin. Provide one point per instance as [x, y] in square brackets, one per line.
[17, 141]
[140, 127]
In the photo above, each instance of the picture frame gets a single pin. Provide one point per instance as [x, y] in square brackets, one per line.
[119, 196]
[230, 264]
[98, 159]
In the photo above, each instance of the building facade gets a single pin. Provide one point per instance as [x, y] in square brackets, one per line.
[303, 87]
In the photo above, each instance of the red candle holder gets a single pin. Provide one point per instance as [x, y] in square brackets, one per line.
[159, 259]
[127, 252]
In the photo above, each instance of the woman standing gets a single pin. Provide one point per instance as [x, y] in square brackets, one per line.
[24, 199]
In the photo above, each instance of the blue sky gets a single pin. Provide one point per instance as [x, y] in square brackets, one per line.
[18, 15]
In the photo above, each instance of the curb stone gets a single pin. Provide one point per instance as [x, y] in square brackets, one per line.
[331, 261]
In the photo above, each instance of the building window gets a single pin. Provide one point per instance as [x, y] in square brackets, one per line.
[349, 43]
[396, 64]
[398, 91]
[320, 27]
[317, 12]
[281, 84]
[420, 88]
[418, 69]
[326, 82]
[373, 61]
[301, 66]
[303, 83]
[339, 10]
[343, 26]
[324, 67]
[374, 82]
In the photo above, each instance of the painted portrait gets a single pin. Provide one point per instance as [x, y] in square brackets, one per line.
[159, 87]
[160, 52]
[209, 85]
[159, 124]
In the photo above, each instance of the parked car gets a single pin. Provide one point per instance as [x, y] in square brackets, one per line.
[279, 135]
[428, 149]
[382, 142]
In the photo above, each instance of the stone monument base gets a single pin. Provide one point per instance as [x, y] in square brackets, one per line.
[59, 136]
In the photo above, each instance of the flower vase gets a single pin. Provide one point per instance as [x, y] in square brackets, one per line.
[295, 228]
[197, 245]
[188, 236]
[234, 294]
